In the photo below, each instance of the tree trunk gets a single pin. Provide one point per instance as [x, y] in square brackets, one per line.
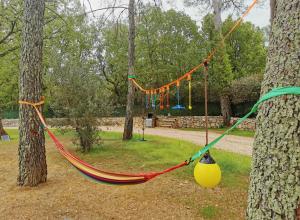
[272, 7]
[225, 109]
[217, 7]
[32, 158]
[2, 131]
[274, 191]
[224, 98]
[128, 127]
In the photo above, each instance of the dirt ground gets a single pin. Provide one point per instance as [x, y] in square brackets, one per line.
[236, 144]
[68, 195]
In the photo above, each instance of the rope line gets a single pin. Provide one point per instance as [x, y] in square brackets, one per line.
[208, 58]
[126, 179]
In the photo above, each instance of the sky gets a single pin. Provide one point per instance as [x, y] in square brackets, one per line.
[260, 14]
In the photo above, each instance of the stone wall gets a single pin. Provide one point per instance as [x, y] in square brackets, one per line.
[248, 124]
[192, 121]
[10, 123]
[105, 121]
[181, 122]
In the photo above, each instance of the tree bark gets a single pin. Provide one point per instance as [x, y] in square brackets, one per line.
[272, 8]
[274, 191]
[32, 157]
[2, 131]
[224, 98]
[225, 109]
[128, 127]
[217, 7]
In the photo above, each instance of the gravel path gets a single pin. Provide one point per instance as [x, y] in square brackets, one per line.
[236, 144]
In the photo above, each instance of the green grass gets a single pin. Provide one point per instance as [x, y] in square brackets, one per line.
[209, 211]
[157, 153]
[13, 133]
[236, 132]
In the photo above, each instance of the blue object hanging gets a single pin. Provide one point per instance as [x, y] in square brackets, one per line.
[178, 106]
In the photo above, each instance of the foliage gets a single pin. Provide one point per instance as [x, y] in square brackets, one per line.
[245, 48]
[220, 69]
[73, 86]
[243, 53]
[168, 44]
[112, 60]
[246, 89]
[10, 22]
[9, 81]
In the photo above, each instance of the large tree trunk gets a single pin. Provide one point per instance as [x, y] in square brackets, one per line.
[272, 7]
[224, 98]
[217, 7]
[32, 158]
[225, 108]
[274, 191]
[2, 131]
[128, 127]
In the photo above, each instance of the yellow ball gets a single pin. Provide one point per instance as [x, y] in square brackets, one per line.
[190, 107]
[207, 175]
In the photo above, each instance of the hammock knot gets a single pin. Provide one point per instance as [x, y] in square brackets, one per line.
[205, 63]
[34, 104]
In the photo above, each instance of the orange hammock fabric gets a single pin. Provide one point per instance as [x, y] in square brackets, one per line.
[93, 172]
[104, 176]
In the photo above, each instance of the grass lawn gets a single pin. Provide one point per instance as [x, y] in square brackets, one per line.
[158, 153]
[236, 132]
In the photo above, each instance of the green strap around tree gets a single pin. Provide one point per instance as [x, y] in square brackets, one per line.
[273, 93]
[131, 76]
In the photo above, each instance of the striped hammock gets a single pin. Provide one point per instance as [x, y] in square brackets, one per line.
[127, 179]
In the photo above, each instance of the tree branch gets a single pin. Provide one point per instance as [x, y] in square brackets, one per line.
[13, 25]
[9, 51]
[106, 8]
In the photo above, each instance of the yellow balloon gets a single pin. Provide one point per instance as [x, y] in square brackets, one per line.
[207, 175]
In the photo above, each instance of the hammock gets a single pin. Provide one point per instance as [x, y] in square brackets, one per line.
[104, 176]
[127, 179]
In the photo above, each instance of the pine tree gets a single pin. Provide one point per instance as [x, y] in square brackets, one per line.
[274, 191]
[32, 158]
[128, 127]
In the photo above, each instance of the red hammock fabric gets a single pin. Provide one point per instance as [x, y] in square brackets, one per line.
[92, 172]
[104, 176]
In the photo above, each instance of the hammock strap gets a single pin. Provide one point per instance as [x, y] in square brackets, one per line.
[273, 93]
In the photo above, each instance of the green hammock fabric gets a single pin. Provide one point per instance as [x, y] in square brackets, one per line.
[273, 93]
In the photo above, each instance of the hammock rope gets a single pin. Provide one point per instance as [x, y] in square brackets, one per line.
[127, 179]
[208, 58]
[190, 92]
